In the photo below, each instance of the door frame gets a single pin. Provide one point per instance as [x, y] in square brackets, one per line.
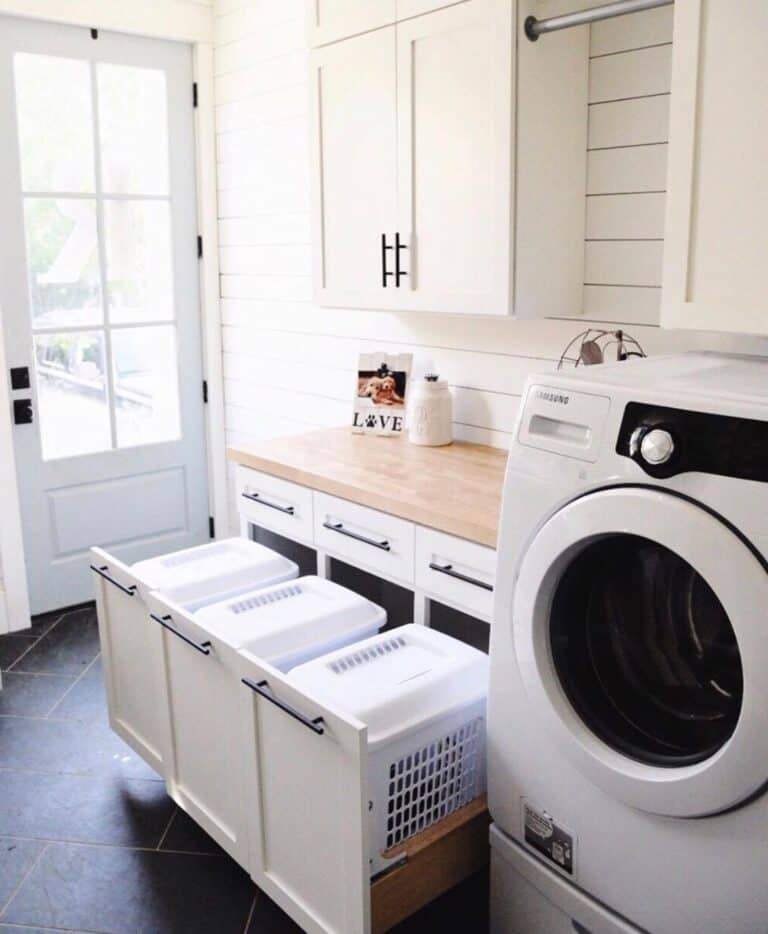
[191, 22]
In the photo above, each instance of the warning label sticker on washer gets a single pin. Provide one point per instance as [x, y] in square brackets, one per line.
[544, 834]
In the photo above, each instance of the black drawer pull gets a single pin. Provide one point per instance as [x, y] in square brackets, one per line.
[385, 273]
[262, 689]
[339, 527]
[449, 570]
[102, 572]
[203, 647]
[258, 498]
[398, 271]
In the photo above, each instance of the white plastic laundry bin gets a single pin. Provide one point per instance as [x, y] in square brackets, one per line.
[283, 624]
[351, 754]
[131, 641]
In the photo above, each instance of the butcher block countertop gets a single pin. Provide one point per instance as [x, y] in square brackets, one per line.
[455, 489]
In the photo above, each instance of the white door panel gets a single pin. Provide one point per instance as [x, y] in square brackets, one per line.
[329, 20]
[99, 297]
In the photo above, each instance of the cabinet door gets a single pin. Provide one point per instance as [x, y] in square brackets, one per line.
[717, 201]
[204, 764]
[130, 646]
[408, 8]
[330, 20]
[354, 146]
[455, 157]
[307, 803]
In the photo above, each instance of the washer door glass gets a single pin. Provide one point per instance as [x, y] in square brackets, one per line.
[645, 651]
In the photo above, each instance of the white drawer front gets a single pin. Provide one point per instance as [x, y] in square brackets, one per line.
[459, 572]
[365, 537]
[275, 504]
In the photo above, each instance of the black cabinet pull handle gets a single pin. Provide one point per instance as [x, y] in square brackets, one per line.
[258, 498]
[165, 621]
[449, 570]
[262, 689]
[102, 572]
[339, 527]
[385, 274]
[398, 271]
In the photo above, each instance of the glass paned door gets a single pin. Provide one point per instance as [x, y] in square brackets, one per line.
[98, 285]
[98, 238]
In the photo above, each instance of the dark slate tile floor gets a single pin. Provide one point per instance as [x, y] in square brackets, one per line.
[89, 840]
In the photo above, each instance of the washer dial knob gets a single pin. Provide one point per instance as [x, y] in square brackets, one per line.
[657, 446]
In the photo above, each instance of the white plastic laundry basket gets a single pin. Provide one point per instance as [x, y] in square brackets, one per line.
[422, 695]
[290, 623]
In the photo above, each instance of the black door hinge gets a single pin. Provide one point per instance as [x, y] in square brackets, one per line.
[194, 94]
[211, 527]
[205, 391]
[94, 34]
[199, 247]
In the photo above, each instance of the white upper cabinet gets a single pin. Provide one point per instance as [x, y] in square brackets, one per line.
[436, 186]
[354, 126]
[717, 199]
[455, 158]
[331, 20]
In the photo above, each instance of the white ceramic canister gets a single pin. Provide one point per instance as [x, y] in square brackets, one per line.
[431, 412]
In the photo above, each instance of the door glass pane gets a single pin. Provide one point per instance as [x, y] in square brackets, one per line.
[54, 109]
[133, 130]
[645, 652]
[71, 394]
[63, 261]
[139, 266]
[146, 381]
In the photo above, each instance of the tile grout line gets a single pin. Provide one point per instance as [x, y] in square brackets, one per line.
[37, 640]
[250, 913]
[49, 841]
[24, 878]
[77, 680]
[167, 827]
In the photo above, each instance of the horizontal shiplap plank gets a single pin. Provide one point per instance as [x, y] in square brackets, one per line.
[630, 262]
[630, 74]
[629, 123]
[269, 197]
[265, 229]
[265, 260]
[289, 103]
[269, 42]
[275, 288]
[250, 17]
[623, 33]
[622, 305]
[624, 171]
[282, 72]
[622, 217]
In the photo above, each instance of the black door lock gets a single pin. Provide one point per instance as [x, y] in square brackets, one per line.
[22, 412]
[19, 377]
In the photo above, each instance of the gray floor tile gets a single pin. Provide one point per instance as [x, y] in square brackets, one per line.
[68, 648]
[121, 891]
[67, 746]
[16, 859]
[83, 808]
[87, 701]
[186, 836]
[268, 918]
[32, 695]
[12, 647]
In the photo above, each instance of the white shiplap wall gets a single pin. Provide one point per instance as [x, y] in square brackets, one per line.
[289, 364]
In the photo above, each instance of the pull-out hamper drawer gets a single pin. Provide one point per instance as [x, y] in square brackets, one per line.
[365, 537]
[338, 807]
[459, 572]
[132, 644]
[286, 623]
[275, 504]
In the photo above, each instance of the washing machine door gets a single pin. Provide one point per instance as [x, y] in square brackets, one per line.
[640, 623]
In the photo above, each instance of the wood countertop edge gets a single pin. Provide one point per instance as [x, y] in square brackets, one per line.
[478, 533]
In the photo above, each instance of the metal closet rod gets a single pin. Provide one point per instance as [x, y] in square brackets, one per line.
[537, 27]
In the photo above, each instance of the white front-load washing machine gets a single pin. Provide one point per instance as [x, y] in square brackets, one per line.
[628, 705]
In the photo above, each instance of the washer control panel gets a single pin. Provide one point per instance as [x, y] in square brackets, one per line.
[666, 442]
